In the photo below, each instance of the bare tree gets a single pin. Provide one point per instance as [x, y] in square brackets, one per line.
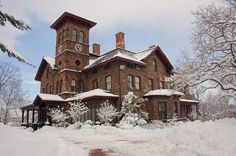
[11, 95]
[214, 40]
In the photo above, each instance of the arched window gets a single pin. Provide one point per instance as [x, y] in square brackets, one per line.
[137, 83]
[150, 84]
[108, 82]
[81, 86]
[95, 84]
[64, 35]
[130, 82]
[74, 35]
[73, 83]
[81, 37]
[60, 87]
[48, 72]
[57, 87]
[60, 38]
[154, 65]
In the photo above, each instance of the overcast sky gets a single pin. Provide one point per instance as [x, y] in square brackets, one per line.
[167, 23]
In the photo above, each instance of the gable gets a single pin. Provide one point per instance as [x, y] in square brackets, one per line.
[46, 61]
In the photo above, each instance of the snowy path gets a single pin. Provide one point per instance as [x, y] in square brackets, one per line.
[216, 138]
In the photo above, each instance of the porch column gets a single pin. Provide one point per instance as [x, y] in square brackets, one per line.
[33, 115]
[22, 116]
[27, 116]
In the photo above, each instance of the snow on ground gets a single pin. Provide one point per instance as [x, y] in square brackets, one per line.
[212, 138]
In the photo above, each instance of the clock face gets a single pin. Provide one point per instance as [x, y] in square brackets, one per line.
[60, 49]
[78, 47]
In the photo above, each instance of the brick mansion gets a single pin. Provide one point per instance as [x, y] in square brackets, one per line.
[81, 71]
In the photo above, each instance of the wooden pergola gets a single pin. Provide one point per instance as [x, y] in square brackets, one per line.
[41, 107]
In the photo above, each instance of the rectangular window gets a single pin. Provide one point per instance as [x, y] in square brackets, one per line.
[73, 84]
[150, 84]
[95, 84]
[137, 83]
[108, 82]
[162, 86]
[130, 82]
[162, 110]
[81, 86]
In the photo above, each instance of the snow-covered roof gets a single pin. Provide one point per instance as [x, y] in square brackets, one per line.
[50, 61]
[92, 93]
[116, 53]
[50, 97]
[190, 101]
[164, 92]
[143, 54]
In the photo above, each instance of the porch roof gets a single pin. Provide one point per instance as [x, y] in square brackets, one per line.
[164, 92]
[27, 106]
[188, 101]
[92, 93]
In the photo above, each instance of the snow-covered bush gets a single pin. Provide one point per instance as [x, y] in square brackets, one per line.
[59, 117]
[76, 110]
[131, 109]
[107, 112]
[193, 115]
[173, 120]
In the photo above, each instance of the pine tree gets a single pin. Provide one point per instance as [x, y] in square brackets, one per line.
[131, 109]
[4, 18]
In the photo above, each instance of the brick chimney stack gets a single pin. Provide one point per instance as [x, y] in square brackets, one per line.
[96, 49]
[120, 40]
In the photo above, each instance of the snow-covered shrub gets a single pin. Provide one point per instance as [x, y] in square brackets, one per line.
[131, 109]
[107, 112]
[193, 115]
[59, 117]
[76, 110]
[173, 120]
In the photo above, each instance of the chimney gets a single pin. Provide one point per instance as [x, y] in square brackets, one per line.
[96, 49]
[120, 40]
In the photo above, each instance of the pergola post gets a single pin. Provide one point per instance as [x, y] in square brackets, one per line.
[22, 116]
[27, 116]
[33, 115]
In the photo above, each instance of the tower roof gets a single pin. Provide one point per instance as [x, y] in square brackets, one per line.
[71, 17]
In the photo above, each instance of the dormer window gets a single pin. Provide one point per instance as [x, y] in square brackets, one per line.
[74, 35]
[63, 35]
[81, 37]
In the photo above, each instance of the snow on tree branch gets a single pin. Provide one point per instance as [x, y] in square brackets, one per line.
[214, 41]
[107, 112]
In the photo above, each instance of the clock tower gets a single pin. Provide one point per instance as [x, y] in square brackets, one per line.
[72, 41]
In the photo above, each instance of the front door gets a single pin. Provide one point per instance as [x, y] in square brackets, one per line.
[162, 110]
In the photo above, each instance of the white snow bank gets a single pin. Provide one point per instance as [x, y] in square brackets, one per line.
[211, 138]
[163, 92]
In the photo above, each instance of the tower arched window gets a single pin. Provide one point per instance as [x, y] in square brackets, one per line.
[154, 65]
[63, 35]
[57, 87]
[74, 35]
[60, 38]
[81, 37]
[73, 84]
